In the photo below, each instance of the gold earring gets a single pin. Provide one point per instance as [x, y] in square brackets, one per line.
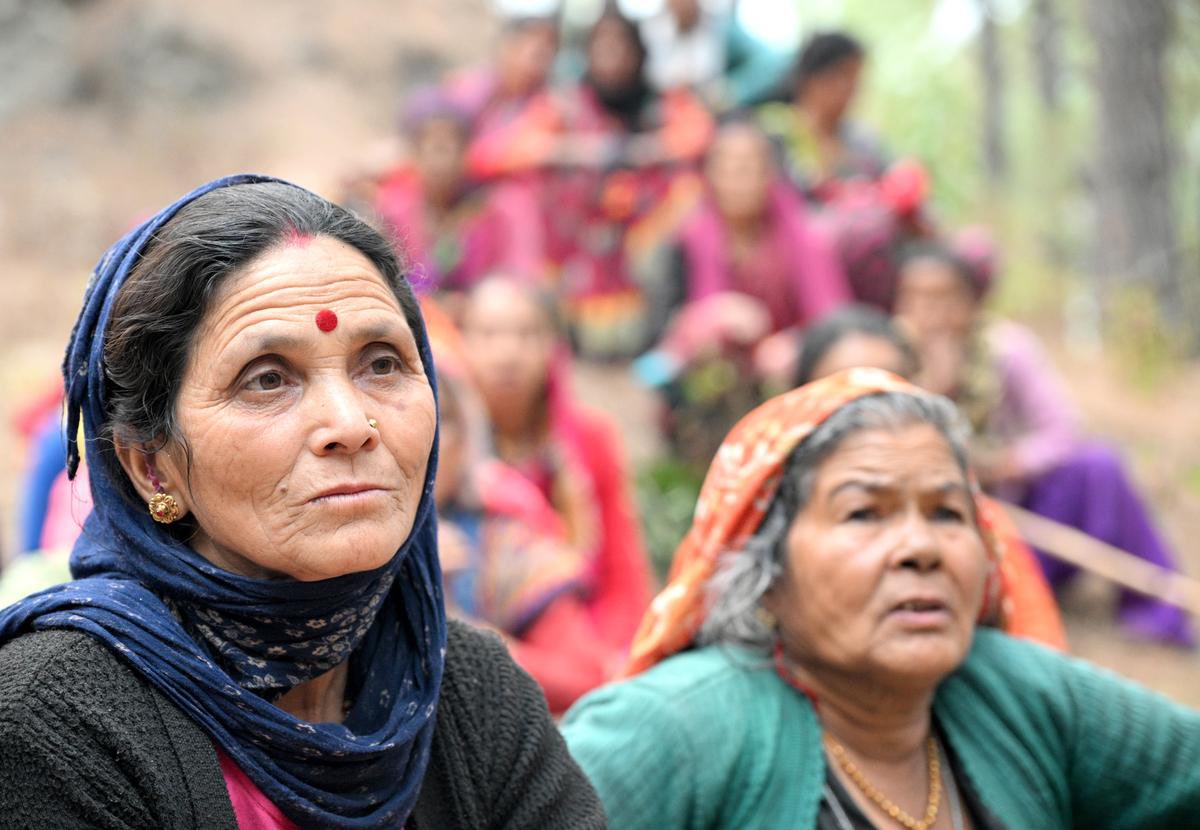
[766, 619]
[164, 508]
[372, 423]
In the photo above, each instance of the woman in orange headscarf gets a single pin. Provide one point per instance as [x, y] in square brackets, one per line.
[833, 650]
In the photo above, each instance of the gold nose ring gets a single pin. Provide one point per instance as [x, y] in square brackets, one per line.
[372, 423]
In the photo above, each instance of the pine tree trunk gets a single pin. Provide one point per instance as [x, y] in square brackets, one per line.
[995, 150]
[1135, 232]
[1047, 53]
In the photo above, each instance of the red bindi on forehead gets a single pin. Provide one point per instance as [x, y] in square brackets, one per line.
[326, 320]
[294, 237]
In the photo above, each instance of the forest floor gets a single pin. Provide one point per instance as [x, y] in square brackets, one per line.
[95, 135]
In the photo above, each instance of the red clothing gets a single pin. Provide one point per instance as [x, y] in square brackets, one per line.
[621, 583]
[581, 471]
[561, 650]
[490, 229]
[549, 552]
[792, 271]
[581, 640]
[583, 475]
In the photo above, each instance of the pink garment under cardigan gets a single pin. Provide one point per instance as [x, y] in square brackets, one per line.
[252, 809]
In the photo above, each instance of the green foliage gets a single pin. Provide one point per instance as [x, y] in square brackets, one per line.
[1145, 352]
[924, 92]
[666, 492]
[1192, 480]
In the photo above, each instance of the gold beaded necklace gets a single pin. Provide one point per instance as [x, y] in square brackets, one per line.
[886, 804]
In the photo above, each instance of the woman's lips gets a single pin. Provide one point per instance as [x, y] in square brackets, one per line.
[919, 613]
[349, 494]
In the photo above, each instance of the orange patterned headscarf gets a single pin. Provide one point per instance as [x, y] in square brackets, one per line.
[739, 487]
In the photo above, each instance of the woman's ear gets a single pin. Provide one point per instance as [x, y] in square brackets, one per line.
[150, 470]
[769, 607]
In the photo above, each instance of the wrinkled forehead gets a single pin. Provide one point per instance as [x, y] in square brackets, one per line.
[299, 270]
[907, 456]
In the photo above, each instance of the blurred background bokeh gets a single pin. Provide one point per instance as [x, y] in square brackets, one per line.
[1070, 128]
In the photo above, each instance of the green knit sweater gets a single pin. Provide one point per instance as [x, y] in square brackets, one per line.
[713, 738]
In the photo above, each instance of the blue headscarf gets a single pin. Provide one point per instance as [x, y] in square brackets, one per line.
[221, 646]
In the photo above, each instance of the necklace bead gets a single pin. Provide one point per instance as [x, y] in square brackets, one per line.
[933, 799]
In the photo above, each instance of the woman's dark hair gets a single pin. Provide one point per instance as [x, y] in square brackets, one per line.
[845, 322]
[158, 310]
[612, 14]
[626, 104]
[822, 52]
[519, 24]
[943, 254]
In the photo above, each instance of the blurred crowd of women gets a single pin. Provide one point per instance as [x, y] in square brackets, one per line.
[672, 197]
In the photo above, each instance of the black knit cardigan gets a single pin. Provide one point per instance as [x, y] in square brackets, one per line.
[86, 742]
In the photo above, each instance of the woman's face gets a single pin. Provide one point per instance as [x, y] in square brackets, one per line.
[858, 349]
[833, 91]
[510, 345]
[440, 155]
[287, 478]
[613, 59]
[935, 300]
[885, 569]
[739, 171]
[526, 56]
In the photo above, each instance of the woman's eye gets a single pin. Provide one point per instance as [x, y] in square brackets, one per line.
[384, 365]
[948, 514]
[266, 382]
[861, 514]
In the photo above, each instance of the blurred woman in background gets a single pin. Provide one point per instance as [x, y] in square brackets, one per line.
[750, 235]
[603, 152]
[823, 146]
[494, 95]
[571, 454]
[694, 44]
[732, 289]
[1030, 448]
[857, 335]
[453, 230]
[506, 561]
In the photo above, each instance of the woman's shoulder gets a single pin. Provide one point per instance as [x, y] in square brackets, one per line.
[483, 691]
[1002, 662]
[82, 735]
[471, 650]
[712, 734]
[729, 689]
[699, 672]
[496, 752]
[57, 666]
[994, 652]
[1024, 681]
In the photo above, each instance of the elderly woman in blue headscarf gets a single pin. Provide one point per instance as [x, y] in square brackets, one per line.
[255, 635]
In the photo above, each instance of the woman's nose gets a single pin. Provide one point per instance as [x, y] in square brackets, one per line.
[918, 546]
[343, 424]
